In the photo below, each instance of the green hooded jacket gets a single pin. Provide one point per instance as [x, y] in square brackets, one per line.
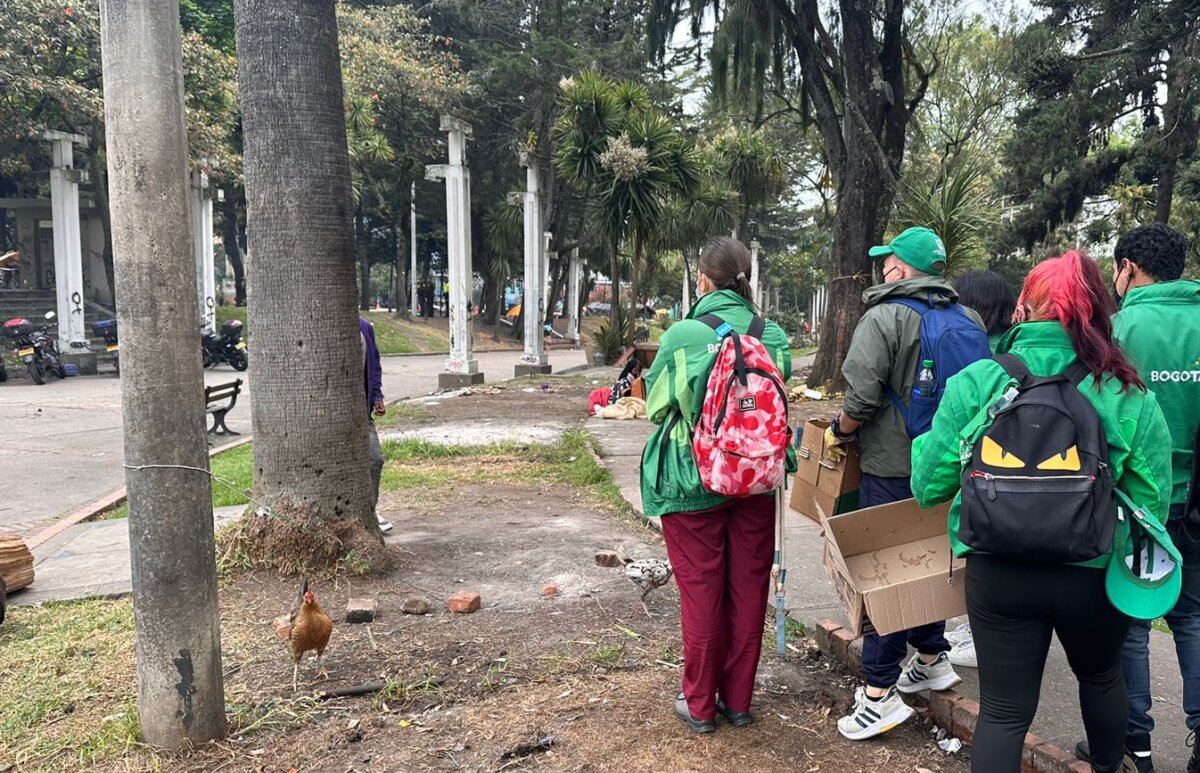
[1138, 439]
[884, 353]
[675, 389]
[1158, 326]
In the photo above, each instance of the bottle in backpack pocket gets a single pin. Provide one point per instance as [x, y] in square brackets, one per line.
[926, 386]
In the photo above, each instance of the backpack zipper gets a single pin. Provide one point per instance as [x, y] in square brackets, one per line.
[991, 479]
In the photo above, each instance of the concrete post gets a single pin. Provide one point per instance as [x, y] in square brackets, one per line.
[181, 701]
[68, 253]
[462, 369]
[574, 287]
[533, 358]
[202, 246]
[754, 272]
[413, 302]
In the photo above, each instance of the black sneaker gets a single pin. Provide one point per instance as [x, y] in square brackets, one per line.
[734, 718]
[1133, 763]
[1193, 765]
[696, 725]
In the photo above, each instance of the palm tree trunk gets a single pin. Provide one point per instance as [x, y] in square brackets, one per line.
[634, 288]
[309, 409]
[614, 312]
[401, 279]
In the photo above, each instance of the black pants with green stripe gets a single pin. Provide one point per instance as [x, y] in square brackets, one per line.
[1014, 607]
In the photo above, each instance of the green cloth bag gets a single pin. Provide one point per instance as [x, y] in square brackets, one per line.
[1144, 575]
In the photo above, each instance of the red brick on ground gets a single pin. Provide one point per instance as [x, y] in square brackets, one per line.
[361, 610]
[465, 601]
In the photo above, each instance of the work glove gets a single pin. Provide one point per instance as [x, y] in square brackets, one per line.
[835, 447]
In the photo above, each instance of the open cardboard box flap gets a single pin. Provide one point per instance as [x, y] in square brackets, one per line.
[893, 567]
[821, 485]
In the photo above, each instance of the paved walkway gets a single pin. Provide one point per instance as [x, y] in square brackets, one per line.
[811, 599]
[62, 444]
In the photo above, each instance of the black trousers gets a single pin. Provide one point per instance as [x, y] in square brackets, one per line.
[1014, 607]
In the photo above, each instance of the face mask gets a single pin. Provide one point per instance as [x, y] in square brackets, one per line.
[1118, 295]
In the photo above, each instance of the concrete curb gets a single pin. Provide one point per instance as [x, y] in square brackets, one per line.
[106, 502]
[950, 710]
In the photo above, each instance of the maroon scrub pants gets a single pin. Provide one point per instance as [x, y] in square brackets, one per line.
[722, 560]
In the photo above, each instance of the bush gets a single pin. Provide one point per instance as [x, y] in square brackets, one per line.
[610, 339]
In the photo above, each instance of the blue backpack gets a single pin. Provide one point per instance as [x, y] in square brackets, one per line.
[952, 340]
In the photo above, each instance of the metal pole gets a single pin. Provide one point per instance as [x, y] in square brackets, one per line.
[178, 643]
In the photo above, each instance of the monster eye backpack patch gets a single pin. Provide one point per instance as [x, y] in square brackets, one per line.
[1038, 486]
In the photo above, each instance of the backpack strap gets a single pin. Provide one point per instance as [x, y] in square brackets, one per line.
[1077, 373]
[1014, 367]
[720, 326]
[921, 307]
[758, 326]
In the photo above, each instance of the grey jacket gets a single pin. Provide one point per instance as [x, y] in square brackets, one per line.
[884, 353]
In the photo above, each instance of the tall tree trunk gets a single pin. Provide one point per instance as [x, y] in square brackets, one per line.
[362, 231]
[309, 408]
[178, 640]
[614, 297]
[1179, 129]
[401, 284]
[634, 287]
[233, 249]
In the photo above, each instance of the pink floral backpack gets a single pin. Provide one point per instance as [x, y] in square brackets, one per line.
[740, 443]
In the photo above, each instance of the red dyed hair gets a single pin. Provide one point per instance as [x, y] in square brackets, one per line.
[1069, 289]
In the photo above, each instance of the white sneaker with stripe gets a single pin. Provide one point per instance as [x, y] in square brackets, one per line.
[873, 717]
[918, 676]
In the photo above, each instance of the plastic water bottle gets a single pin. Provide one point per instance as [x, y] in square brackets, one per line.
[926, 383]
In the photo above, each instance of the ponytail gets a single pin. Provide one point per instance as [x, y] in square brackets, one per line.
[727, 263]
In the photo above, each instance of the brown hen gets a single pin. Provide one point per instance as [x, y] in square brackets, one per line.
[311, 628]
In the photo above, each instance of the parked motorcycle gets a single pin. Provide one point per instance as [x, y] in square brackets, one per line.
[36, 348]
[225, 346]
[107, 329]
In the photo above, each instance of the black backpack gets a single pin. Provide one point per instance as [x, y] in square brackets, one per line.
[1038, 486]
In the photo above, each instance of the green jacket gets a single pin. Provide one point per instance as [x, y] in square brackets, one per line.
[1158, 326]
[884, 353]
[675, 389]
[1138, 440]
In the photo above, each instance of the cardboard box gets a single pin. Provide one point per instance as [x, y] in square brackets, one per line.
[893, 568]
[822, 487]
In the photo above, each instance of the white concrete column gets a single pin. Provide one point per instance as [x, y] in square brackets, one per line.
[533, 358]
[574, 287]
[754, 272]
[461, 368]
[412, 251]
[68, 255]
[202, 246]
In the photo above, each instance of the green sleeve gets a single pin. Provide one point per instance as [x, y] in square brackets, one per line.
[868, 367]
[1147, 474]
[660, 398]
[937, 463]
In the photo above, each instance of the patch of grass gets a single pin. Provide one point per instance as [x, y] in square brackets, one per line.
[607, 655]
[395, 336]
[1161, 626]
[405, 691]
[803, 351]
[793, 628]
[399, 414]
[68, 699]
[235, 467]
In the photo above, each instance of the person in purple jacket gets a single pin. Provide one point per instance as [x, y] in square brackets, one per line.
[373, 379]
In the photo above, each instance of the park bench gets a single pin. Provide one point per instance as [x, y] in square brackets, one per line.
[219, 400]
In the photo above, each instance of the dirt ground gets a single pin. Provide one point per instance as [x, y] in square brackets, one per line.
[582, 680]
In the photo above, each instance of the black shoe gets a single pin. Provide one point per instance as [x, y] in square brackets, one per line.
[734, 718]
[1132, 762]
[1193, 765]
[697, 725]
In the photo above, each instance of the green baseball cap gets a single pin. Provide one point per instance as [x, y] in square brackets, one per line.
[1144, 575]
[918, 247]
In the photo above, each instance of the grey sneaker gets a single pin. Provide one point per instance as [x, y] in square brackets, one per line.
[873, 717]
[384, 524]
[936, 676]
